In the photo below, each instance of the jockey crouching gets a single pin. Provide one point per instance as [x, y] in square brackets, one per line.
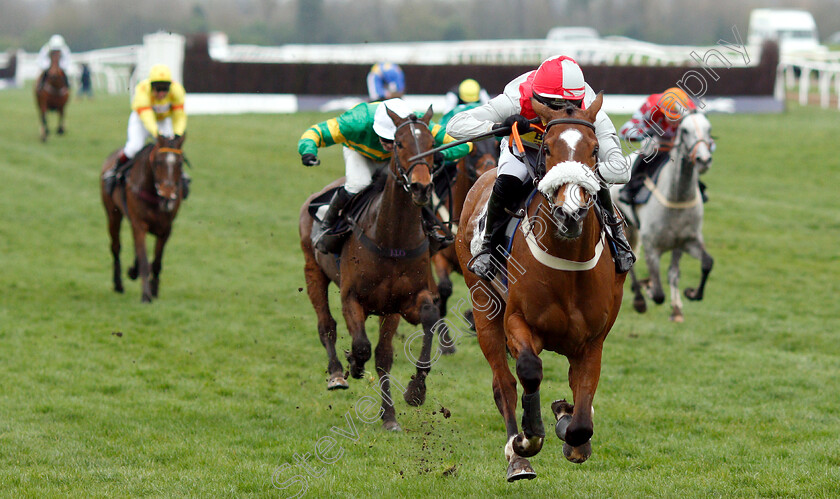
[655, 126]
[557, 83]
[56, 44]
[367, 134]
[157, 109]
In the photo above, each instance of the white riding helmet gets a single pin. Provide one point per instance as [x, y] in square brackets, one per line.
[382, 123]
[56, 42]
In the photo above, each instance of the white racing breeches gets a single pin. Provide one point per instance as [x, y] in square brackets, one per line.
[137, 133]
[358, 170]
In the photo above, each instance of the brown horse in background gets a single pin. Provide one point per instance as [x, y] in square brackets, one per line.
[483, 158]
[563, 292]
[52, 95]
[383, 269]
[149, 198]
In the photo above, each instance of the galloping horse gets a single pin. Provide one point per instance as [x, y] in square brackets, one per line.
[52, 95]
[150, 199]
[672, 220]
[559, 297]
[483, 158]
[383, 269]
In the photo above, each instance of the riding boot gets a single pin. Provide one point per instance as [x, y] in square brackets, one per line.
[110, 175]
[505, 197]
[42, 81]
[622, 252]
[628, 193]
[331, 218]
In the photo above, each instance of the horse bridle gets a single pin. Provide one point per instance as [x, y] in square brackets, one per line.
[403, 176]
[177, 152]
[538, 170]
[692, 151]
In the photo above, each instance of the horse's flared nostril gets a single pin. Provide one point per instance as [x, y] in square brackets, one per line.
[421, 194]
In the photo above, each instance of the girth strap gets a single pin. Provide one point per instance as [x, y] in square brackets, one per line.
[371, 246]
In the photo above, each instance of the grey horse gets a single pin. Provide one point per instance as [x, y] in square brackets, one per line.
[672, 219]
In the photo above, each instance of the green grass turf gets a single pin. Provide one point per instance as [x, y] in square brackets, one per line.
[213, 389]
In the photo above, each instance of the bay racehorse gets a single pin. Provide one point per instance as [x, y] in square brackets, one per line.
[149, 198]
[383, 269]
[672, 219]
[563, 294]
[52, 95]
[483, 158]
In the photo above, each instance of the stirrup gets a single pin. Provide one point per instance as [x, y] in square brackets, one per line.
[484, 270]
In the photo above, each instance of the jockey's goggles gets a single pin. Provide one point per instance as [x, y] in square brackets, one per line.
[160, 86]
[558, 102]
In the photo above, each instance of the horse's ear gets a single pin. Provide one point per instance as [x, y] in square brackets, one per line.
[180, 140]
[394, 116]
[428, 116]
[593, 108]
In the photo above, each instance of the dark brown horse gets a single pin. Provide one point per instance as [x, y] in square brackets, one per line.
[149, 198]
[563, 292]
[483, 158]
[383, 270]
[52, 95]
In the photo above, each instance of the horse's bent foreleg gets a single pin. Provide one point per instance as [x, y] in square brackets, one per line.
[429, 315]
[698, 251]
[317, 284]
[529, 371]
[652, 257]
[157, 264]
[674, 284]
[384, 358]
[584, 373]
[354, 316]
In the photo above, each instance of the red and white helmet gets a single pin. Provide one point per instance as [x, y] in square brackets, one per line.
[558, 79]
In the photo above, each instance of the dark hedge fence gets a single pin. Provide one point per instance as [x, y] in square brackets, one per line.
[9, 71]
[204, 75]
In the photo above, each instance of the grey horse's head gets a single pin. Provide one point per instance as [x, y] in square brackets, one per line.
[694, 139]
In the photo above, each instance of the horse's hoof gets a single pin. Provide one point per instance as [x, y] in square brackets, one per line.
[519, 469]
[640, 305]
[578, 454]
[146, 299]
[61, 131]
[155, 285]
[692, 295]
[678, 318]
[525, 447]
[132, 273]
[391, 426]
[337, 383]
[118, 288]
[563, 415]
[446, 350]
[415, 395]
[658, 299]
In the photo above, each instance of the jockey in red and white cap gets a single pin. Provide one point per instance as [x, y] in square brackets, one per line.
[557, 83]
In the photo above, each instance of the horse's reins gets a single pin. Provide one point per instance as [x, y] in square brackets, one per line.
[678, 205]
[403, 176]
[178, 152]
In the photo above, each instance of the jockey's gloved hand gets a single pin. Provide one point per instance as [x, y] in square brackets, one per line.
[438, 158]
[506, 127]
[310, 160]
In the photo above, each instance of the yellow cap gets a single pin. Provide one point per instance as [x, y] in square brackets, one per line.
[469, 90]
[160, 72]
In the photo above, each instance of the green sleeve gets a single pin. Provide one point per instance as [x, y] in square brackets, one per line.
[453, 153]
